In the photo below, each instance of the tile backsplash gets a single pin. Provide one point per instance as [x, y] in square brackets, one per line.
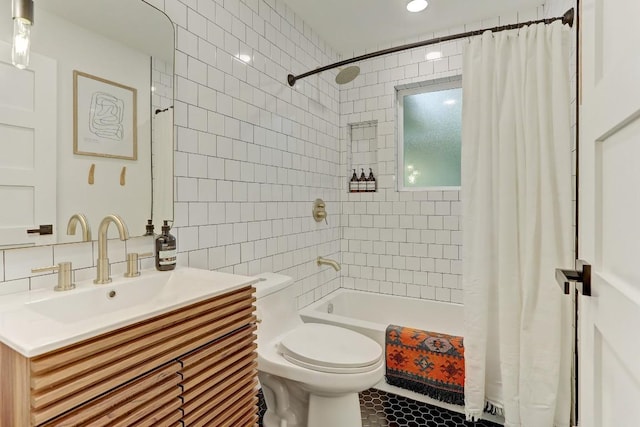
[16, 264]
[406, 243]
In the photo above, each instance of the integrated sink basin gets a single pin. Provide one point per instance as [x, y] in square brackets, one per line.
[144, 292]
[39, 321]
[106, 299]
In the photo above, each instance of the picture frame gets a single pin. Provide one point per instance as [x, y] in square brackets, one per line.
[104, 118]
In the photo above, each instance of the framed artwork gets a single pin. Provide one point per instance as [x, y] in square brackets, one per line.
[104, 118]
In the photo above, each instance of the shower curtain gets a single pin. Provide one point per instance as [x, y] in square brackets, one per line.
[516, 207]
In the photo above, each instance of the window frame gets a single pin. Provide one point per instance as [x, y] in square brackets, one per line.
[454, 82]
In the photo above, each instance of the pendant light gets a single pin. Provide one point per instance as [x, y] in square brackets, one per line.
[22, 11]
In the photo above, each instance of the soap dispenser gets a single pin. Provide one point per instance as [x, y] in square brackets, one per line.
[353, 184]
[165, 249]
[149, 228]
[371, 182]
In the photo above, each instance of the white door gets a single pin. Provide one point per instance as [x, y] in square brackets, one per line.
[609, 213]
[28, 137]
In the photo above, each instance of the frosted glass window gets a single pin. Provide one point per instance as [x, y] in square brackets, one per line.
[429, 134]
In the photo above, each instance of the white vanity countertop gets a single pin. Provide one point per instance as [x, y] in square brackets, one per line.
[36, 322]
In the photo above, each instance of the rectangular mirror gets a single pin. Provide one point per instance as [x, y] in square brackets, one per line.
[97, 143]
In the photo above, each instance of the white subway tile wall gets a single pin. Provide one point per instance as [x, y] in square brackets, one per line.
[403, 243]
[362, 140]
[252, 154]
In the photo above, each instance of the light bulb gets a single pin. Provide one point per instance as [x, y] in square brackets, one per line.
[21, 42]
[417, 5]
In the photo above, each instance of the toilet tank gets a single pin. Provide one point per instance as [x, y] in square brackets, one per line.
[276, 307]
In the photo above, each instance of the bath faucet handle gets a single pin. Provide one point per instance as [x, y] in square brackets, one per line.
[64, 270]
[132, 263]
[319, 211]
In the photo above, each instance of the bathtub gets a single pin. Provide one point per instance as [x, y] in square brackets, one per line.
[370, 314]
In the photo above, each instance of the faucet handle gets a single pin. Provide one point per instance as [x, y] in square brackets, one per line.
[132, 263]
[64, 275]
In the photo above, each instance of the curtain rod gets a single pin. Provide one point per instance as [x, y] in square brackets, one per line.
[567, 18]
[158, 110]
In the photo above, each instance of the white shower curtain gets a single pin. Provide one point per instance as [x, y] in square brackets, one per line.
[517, 208]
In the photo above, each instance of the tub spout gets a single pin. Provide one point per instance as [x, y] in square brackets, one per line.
[330, 262]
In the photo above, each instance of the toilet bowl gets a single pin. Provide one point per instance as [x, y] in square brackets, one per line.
[310, 373]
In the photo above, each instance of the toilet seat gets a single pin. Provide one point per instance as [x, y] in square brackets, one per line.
[327, 348]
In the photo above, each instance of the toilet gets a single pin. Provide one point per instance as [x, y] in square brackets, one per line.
[310, 373]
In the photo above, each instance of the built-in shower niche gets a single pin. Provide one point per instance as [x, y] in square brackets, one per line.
[362, 150]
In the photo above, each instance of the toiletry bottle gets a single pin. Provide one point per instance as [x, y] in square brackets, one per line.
[362, 182]
[353, 184]
[165, 249]
[371, 182]
[149, 228]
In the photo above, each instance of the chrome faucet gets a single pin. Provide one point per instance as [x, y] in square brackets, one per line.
[103, 261]
[84, 224]
[330, 262]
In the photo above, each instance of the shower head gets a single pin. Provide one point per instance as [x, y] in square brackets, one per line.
[347, 75]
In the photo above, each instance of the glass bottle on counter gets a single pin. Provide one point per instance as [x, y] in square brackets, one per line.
[165, 249]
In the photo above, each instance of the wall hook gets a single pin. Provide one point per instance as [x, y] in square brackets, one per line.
[123, 176]
[92, 171]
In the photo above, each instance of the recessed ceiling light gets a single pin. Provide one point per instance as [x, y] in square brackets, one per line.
[433, 56]
[417, 5]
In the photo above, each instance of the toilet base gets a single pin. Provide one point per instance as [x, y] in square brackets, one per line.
[297, 405]
[287, 402]
[334, 411]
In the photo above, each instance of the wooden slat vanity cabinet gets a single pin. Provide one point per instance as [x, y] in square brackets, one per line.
[194, 366]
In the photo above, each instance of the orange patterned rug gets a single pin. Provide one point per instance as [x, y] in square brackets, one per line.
[426, 362]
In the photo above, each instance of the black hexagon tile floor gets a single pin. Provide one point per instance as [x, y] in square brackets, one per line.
[382, 409]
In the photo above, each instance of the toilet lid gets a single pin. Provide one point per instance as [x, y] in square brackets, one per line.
[329, 348]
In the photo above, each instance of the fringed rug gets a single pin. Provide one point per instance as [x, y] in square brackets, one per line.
[426, 362]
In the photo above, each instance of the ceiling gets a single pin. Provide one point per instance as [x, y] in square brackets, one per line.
[350, 26]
